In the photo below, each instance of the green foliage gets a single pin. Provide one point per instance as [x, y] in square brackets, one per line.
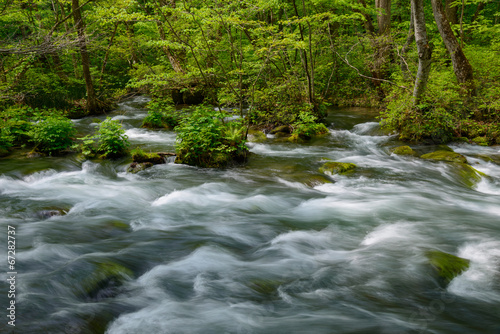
[52, 134]
[205, 140]
[306, 126]
[161, 114]
[109, 141]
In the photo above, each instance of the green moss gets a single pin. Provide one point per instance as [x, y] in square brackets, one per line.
[265, 287]
[403, 150]
[446, 265]
[468, 175]
[105, 279]
[482, 141]
[333, 167]
[447, 156]
[136, 167]
[285, 129]
[256, 136]
[140, 156]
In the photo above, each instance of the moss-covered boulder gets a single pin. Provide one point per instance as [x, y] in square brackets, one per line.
[468, 175]
[447, 266]
[403, 150]
[481, 141]
[446, 156]
[105, 280]
[140, 156]
[333, 167]
[283, 129]
[256, 136]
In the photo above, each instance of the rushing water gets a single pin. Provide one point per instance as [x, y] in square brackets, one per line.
[267, 247]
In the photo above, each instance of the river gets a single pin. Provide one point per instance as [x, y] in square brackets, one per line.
[271, 246]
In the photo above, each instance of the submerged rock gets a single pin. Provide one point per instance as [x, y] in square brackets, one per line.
[446, 265]
[468, 174]
[51, 212]
[136, 167]
[105, 281]
[403, 150]
[333, 167]
[447, 156]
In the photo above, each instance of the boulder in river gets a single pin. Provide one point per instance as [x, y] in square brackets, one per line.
[403, 150]
[256, 136]
[447, 156]
[136, 167]
[105, 280]
[333, 167]
[446, 265]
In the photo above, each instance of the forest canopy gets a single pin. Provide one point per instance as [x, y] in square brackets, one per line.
[432, 67]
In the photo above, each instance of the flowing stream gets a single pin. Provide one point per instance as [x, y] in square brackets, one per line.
[272, 246]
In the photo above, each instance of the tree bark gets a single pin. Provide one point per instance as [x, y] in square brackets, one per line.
[176, 65]
[423, 48]
[92, 105]
[451, 12]
[384, 16]
[409, 39]
[461, 66]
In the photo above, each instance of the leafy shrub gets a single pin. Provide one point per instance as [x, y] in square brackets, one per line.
[14, 125]
[111, 139]
[306, 127]
[52, 134]
[161, 114]
[203, 139]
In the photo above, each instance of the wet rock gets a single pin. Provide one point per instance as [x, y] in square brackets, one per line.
[136, 167]
[256, 136]
[51, 212]
[333, 167]
[142, 157]
[447, 266]
[443, 155]
[34, 155]
[105, 281]
[468, 175]
[403, 150]
[281, 130]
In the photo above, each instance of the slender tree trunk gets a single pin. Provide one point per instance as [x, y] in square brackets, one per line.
[451, 12]
[106, 56]
[409, 39]
[423, 48]
[461, 66]
[80, 27]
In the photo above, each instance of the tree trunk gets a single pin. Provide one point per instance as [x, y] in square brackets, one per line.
[409, 39]
[384, 16]
[461, 66]
[451, 12]
[92, 106]
[423, 48]
[368, 23]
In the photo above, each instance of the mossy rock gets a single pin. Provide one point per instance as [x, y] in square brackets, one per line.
[444, 148]
[256, 136]
[283, 129]
[136, 167]
[446, 265]
[295, 138]
[403, 150]
[481, 141]
[333, 167]
[105, 281]
[468, 175]
[265, 287]
[443, 155]
[140, 156]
